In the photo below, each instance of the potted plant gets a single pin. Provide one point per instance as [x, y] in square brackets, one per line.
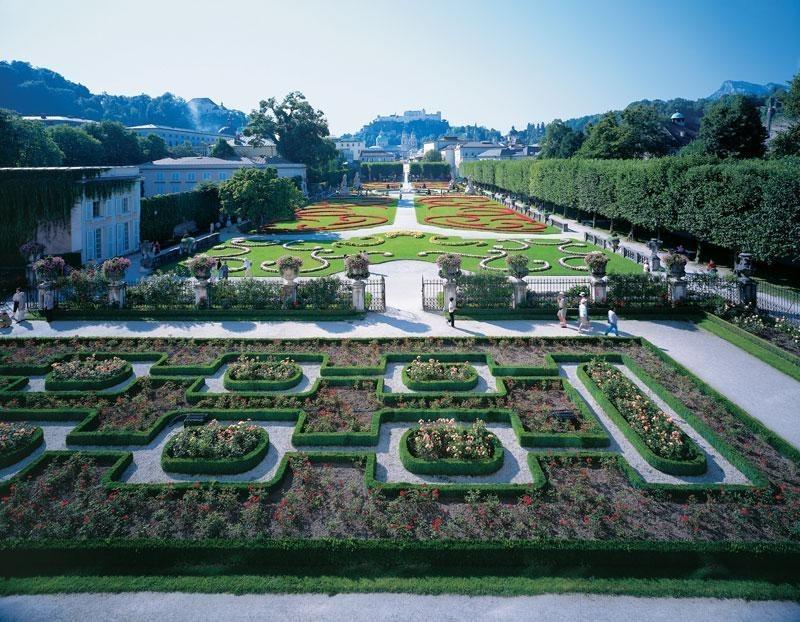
[114, 269]
[289, 266]
[200, 266]
[676, 263]
[449, 266]
[518, 265]
[597, 263]
[31, 250]
[49, 269]
[357, 266]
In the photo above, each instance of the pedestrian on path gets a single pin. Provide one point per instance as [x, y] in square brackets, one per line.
[49, 303]
[562, 309]
[223, 271]
[612, 322]
[583, 315]
[451, 311]
[248, 267]
[20, 300]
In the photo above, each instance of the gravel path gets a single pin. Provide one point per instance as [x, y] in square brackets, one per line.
[214, 382]
[180, 607]
[140, 369]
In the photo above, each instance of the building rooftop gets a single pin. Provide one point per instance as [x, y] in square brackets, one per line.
[479, 143]
[209, 162]
[56, 119]
[150, 126]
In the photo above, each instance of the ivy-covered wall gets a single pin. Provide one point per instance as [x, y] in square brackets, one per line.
[160, 214]
[32, 196]
[751, 205]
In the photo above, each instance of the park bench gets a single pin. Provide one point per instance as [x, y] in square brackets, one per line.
[195, 419]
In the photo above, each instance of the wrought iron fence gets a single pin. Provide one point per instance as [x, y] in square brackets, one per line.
[542, 292]
[376, 290]
[433, 294]
[704, 289]
[779, 301]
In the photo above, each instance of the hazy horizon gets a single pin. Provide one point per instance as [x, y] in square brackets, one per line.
[508, 63]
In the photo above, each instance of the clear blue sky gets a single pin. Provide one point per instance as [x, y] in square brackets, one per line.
[493, 62]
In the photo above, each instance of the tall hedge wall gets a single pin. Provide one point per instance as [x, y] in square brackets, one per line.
[160, 214]
[430, 171]
[751, 205]
[381, 171]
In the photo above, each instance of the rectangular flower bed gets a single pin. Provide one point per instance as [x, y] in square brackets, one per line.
[436, 375]
[258, 373]
[87, 374]
[18, 441]
[215, 450]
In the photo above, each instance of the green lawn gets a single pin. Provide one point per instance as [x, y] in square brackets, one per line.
[341, 214]
[383, 249]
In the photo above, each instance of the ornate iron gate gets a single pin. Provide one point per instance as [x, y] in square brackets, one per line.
[433, 294]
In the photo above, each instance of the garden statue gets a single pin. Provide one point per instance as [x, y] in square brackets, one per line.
[655, 261]
[744, 269]
[470, 188]
[343, 186]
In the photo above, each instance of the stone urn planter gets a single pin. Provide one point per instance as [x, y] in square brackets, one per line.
[114, 270]
[449, 266]
[289, 267]
[200, 268]
[357, 268]
[518, 269]
[676, 264]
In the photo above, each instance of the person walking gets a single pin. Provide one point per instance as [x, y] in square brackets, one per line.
[248, 265]
[562, 309]
[583, 315]
[49, 303]
[223, 271]
[451, 311]
[612, 322]
[20, 300]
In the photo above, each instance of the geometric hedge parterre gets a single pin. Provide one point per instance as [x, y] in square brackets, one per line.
[474, 212]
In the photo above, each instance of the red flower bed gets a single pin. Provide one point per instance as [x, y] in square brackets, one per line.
[478, 213]
[311, 218]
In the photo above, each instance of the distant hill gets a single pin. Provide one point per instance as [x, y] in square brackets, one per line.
[739, 87]
[32, 90]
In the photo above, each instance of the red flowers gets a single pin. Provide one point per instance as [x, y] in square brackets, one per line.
[436, 524]
[526, 500]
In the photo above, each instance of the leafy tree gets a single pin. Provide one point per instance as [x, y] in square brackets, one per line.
[184, 150]
[260, 196]
[791, 99]
[26, 143]
[299, 131]
[222, 149]
[643, 132]
[788, 142]
[78, 147]
[120, 146]
[604, 140]
[153, 148]
[434, 155]
[732, 127]
[560, 141]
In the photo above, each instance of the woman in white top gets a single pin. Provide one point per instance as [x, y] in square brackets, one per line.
[248, 267]
[583, 314]
[20, 305]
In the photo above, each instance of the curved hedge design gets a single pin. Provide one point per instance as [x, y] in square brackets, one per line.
[259, 384]
[475, 212]
[51, 384]
[450, 466]
[221, 466]
[13, 456]
[443, 385]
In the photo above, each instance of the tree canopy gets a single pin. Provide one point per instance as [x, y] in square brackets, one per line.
[732, 127]
[560, 141]
[78, 147]
[260, 196]
[26, 143]
[222, 149]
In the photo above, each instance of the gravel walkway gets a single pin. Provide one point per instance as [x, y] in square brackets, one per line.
[140, 369]
[180, 607]
[214, 382]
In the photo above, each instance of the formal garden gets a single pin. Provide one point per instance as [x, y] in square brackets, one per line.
[592, 457]
[459, 211]
[339, 215]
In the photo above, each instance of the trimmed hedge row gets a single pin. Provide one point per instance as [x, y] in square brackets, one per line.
[12, 457]
[89, 384]
[450, 466]
[220, 466]
[254, 384]
[696, 466]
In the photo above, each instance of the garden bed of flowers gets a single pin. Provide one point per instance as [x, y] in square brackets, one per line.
[17, 441]
[444, 447]
[582, 499]
[473, 212]
[436, 375]
[216, 449]
[91, 373]
[249, 373]
[675, 451]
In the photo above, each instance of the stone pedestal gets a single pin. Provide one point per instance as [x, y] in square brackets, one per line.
[289, 291]
[748, 291]
[520, 292]
[42, 290]
[565, 227]
[654, 261]
[116, 294]
[599, 289]
[359, 296]
[677, 290]
[450, 291]
[201, 292]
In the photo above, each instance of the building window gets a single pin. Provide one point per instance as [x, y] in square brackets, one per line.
[97, 209]
[160, 175]
[190, 176]
[223, 176]
[176, 176]
[207, 175]
[126, 236]
[125, 206]
[98, 243]
[176, 187]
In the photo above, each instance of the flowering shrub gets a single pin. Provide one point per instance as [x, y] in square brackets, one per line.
[675, 259]
[215, 441]
[518, 265]
[596, 261]
[160, 290]
[657, 429]
[114, 269]
[449, 265]
[357, 266]
[200, 266]
[250, 368]
[443, 438]
[86, 286]
[13, 436]
[31, 249]
[433, 369]
[49, 268]
[290, 263]
[778, 330]
[90, 368]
